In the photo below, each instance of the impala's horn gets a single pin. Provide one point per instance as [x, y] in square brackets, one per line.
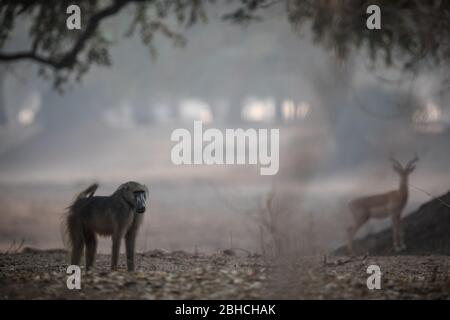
[413, 161]
[396, 163]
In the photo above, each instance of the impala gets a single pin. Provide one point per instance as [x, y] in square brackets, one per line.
[389, 204]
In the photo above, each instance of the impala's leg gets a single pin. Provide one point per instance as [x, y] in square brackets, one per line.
[396, 233]
[350, 234]
[401, 234]
[360, 218]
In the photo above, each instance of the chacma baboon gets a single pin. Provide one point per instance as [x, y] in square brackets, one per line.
[118, 215]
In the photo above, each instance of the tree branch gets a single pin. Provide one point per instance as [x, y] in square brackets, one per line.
[69, 59]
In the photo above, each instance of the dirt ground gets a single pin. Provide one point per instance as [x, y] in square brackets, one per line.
[180, 275]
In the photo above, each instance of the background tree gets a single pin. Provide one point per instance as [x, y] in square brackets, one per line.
[63, 54]
[414, 33]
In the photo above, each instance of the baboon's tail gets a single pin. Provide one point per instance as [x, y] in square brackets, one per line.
[87, 193]
[71, 225]
[74, 230]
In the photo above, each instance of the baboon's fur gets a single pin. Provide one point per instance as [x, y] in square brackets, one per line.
[115, 215]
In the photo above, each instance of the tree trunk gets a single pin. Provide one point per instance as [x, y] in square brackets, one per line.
[3, 115]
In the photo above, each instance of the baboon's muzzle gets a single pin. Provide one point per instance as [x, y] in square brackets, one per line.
[140, 210]
[139, 198]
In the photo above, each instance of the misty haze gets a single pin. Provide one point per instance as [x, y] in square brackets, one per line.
[340, 119]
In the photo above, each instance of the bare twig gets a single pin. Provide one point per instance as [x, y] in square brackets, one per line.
[430, 195]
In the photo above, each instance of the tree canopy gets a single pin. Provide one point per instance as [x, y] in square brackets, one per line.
[414, 34]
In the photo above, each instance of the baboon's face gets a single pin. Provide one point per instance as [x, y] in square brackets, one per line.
[136, 193]
[139, 199]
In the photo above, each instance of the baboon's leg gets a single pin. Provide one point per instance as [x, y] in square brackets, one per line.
[75, 231]
[91, 247]
[130, 241]
[116, 239]
[77, 251]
